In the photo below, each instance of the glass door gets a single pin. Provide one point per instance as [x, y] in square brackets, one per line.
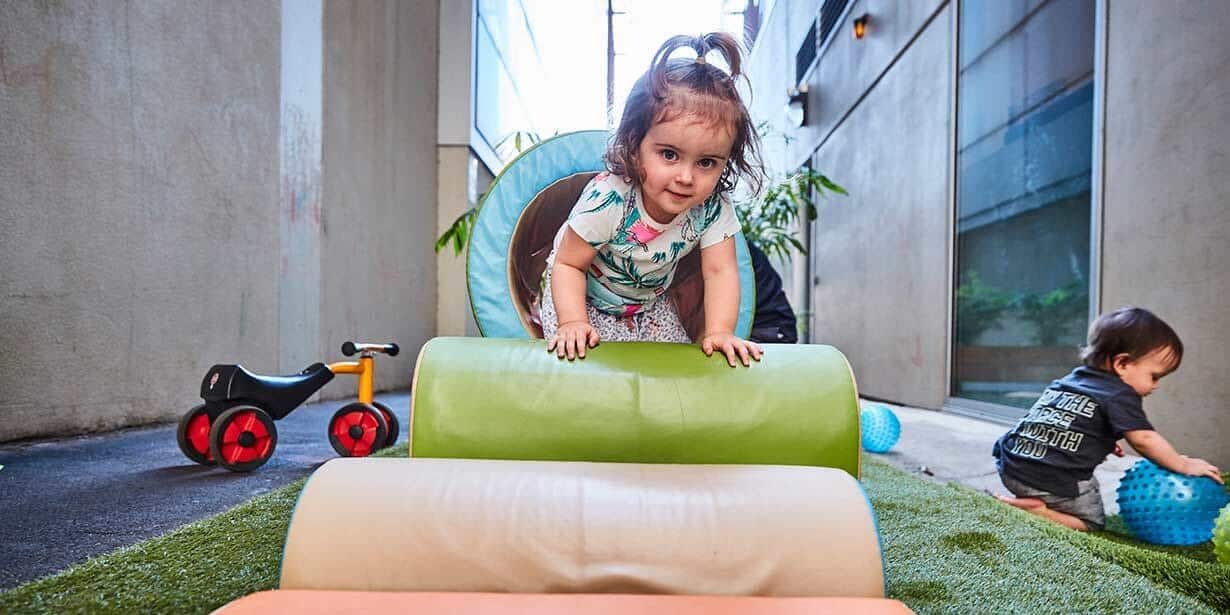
[1023, 184]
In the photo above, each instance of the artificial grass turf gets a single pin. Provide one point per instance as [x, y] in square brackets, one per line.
[946, 548]
[194, 569]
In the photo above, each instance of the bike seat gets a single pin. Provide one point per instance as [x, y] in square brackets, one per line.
[277, 395]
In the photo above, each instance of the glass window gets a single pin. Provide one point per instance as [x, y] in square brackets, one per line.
[540, 68]
[1024, 159]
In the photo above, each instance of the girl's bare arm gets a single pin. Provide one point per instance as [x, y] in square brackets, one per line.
[721, 273]
[574, 332]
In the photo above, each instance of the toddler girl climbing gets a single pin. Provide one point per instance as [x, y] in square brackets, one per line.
[684, 139]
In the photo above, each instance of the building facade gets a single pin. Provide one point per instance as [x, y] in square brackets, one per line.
[1014, 169]
[184, 184]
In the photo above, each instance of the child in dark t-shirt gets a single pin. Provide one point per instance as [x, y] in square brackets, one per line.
[1047, 459]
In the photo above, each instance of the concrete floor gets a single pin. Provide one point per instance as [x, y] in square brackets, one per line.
[67, 500]
[958, 448]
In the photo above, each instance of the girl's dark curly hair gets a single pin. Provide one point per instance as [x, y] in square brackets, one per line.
[675, 87]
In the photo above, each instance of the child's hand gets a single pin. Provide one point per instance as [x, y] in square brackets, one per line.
[731, 346]
[571, 338]
[1200, 467]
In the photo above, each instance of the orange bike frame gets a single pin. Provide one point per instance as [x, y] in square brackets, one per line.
[364, 369]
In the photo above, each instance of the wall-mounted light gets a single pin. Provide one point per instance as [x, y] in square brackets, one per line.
[860, 25]
[796, 107]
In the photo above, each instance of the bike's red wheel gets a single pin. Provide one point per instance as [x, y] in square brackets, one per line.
[193, 436]
[391, 420]
[243, 438]
[357, 430]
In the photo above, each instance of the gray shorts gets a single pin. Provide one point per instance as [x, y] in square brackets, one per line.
[1086, 506]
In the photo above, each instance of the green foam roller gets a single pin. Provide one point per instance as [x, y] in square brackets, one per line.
[639, 402]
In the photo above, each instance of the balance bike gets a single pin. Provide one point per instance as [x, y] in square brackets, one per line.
[235, 429]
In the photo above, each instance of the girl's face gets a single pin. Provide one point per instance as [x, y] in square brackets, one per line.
[681, 160]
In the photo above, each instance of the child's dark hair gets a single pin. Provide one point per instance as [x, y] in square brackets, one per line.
[1133, 331]
[674, 87]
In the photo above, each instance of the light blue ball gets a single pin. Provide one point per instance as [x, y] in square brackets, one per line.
[1165, 508]
[880, 428]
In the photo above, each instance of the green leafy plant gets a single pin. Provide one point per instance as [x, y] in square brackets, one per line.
[459, 232]
[1056, 314]
[770, 221]
[979, 307]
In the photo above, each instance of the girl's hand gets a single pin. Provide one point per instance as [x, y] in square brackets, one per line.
[1200, 467]
[731, 346]
[571, 338]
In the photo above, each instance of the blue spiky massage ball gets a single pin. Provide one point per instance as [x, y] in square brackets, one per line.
[1165, 508]
[880, 428]
[1221, 536]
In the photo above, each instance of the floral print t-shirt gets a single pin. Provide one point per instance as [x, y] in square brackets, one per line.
[637, 256]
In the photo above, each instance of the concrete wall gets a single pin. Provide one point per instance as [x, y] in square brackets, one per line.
[300, 206]
[378, 273]
[138, 218]
[165, 204]
[1167, 204]
[880, 258]
[879, 125]
[460, 175]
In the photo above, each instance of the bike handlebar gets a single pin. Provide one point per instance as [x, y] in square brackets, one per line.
[352, 348]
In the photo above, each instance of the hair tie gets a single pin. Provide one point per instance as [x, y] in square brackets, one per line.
[700, 59]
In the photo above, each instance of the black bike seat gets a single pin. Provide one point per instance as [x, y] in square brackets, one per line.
[282, 383]
[277, 394]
